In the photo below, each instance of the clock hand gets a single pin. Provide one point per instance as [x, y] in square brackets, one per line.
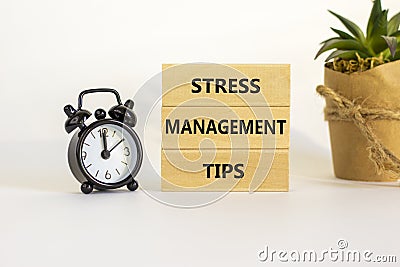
[104, 135]
[116, 144]
[105, 154]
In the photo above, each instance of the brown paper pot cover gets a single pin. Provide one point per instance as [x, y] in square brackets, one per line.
[378, 87]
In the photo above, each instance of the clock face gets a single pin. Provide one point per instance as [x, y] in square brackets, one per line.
[109, 153]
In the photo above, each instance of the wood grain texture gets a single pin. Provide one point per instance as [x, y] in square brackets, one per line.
[183, 170]
[177, 85]
[239, 161]
[226, 141]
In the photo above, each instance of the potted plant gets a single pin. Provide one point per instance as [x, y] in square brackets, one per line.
[362, 92]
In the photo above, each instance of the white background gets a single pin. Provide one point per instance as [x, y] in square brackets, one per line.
[50, 50]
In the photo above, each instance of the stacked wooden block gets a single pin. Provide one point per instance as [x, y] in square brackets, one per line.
[225, 127]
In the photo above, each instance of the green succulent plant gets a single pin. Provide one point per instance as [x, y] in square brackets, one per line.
[381, 39]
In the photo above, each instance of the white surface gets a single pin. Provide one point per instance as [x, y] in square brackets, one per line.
[50, 50]
[46, 221]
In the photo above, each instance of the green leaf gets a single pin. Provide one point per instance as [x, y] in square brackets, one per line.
[396, 34]
[351, 26]
[344, 54]
[394, 23]
[330, 39]
[391, 43]
[388, 56]
[375, 13]
[340, 44]
[342, 34]
[397, 56]
[376, 41]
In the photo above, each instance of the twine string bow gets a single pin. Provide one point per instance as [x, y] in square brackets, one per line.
[346, 110]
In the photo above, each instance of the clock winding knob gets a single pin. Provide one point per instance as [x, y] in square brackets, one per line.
[100, 114]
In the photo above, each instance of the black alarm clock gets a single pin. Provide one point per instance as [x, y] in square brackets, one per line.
[107, 153]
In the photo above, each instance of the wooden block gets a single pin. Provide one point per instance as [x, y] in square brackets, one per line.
[232, 85]
[262, 170]
[193, 127]
[225, 127]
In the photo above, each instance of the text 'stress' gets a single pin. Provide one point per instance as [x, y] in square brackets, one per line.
[225, 127]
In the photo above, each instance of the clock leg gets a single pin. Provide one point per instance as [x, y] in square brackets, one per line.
[86, 188]
[132, 186]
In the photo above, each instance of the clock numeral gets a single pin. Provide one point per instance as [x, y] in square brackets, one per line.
[127, 152]
[107, 175]
[84, 154]
[103, 130]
